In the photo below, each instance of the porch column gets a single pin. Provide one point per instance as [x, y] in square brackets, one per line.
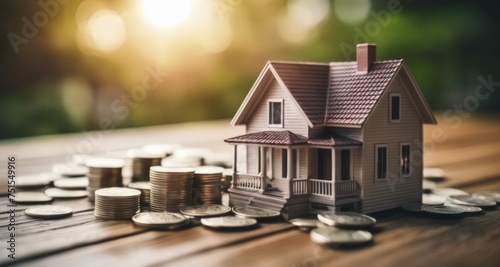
[263, 163]
[334, 174]
[289, 172]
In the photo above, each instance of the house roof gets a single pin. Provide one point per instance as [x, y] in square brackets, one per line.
[289, 138]
[334, 93]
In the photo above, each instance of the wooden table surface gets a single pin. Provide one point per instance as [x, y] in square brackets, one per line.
[469, 153]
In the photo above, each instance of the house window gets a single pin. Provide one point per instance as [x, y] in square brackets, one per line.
[345, 164]
[395, 107]
[259, 156]
[381, 161]
[284, 162]
[405, 160]
[276, 113]
[294, 164]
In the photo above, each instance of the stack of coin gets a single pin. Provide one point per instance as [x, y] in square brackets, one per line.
[171, 188]
[141, 162]
[227, 178]
[207, 185]
[104, 172]
[145, 189]
[181, 162]
[165, 149]
[116, 203]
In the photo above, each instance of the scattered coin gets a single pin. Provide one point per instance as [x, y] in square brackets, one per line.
[334, 236]
[27, 181]
[441, 191]
[205, 210]
[467, 209]
[444, 210]
[305, 224]
[69, 170]
[495, 195]
[478, 201]
[62, 193]
[229, 222]
[49, 211]
[164, 220]
[31, 197]
[72, 183]
[434, 174]
[346, 219]
[433, 200]
[254, 212]
[414, 207]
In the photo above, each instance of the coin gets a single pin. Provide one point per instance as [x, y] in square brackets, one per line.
[335, 236]
[433, 200]
[436, 174]
[415, 207]
[69, 170]
[62, 193]
[37, 180]
[495, 195]
[478, 201]
[103, 173]
[346, 219]
[444, 210]
[448, 191]
[206, 210]
[428, 185]
[228, 222]
[116, 203]
[160, 220]
[145, 188]
[31, 197]
[165, 149]
[255, 212]
[467, 209]
[305, 224]
[49, 211]
[72, 183]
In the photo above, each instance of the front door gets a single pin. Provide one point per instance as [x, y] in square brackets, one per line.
[345, 164]
[324, 164]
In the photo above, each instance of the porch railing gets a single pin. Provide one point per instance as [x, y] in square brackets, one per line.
[345, 188]
[247, 181]
[321, 188]
[300, 187]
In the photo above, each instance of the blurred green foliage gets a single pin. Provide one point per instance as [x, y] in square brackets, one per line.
[51, 86]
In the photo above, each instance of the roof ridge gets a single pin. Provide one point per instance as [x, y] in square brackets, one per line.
[327, 94]
[299, 62]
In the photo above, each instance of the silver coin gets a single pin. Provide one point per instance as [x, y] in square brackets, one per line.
[335, 236]
[346, 219]
[305, 224]
[160, 219]
[61, 193]
[428, 185]
[49, 211]
[207, 210]
[31, 197]
[414, 207]
[467, 209]
[495, 195]
[478, 201]
[433, 200]
[72, 183]
[105, 163]
[117, 192]
[448, 191]
[69, 170]
[36, 180]
[229, 222]
[434, 173]
[254, 212]
[444, 210]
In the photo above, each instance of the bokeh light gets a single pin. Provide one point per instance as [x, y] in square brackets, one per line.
[300, 18]
[165, 13]
[352, 12]
[104, 32]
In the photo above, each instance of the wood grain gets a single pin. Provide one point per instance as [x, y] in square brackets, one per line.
[470, 155]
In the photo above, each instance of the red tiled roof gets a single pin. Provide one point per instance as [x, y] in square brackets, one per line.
[289, 138]
[333, 93]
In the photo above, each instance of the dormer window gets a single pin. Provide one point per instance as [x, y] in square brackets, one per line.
[394, 107]
[276, 112]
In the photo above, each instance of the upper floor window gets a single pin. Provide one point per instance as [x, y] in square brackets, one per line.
[405, 160]
[395, 107]
[381, 161]
[276, 112]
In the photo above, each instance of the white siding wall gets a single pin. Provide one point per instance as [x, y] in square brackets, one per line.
[379, 195]
[293, 120]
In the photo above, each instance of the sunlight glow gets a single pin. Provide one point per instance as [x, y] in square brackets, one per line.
[165, 13]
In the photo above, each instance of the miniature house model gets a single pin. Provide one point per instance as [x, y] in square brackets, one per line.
[331, 136]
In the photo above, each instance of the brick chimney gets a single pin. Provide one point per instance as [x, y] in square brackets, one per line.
[365, 56]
